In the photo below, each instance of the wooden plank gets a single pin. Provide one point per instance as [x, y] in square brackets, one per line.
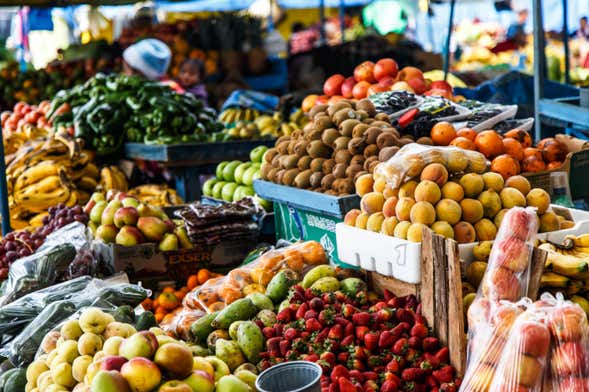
[440, 288]
[456, 335]
[536, 270]
[380, 282]
[427, 291]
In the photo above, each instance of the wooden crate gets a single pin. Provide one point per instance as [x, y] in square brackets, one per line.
[440, 291]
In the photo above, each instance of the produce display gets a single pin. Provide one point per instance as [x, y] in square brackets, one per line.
[343, 141]
[24, 123]
[447, 190]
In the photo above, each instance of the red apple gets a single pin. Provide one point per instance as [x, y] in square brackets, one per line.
[417, 84]
[385, 67]
[333, 85]
[175, 359]
[175, 386]
[402, 86]
[200, 381]
[112, 362]
[523, 369]
[569, 358]
[573, 384]
[376, 88]
[322, 100]
[110, 381]
[438, 93]
[441, 85]
[387, 81]
[479, 311]
[502, 319]
[409, 73]
[364, 72]
[347, 87]
[534, 338]
[141, 374]
[512, 253]
[501, 283]
[519, 223]
[334, 99]
[141, 344]
[508, 387]
[360, 90]
[568, 322]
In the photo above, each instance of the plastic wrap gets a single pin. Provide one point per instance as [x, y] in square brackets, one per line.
[179, 321]
[253, 277]
[410, 160]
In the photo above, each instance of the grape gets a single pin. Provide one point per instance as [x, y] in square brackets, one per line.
[10, 245]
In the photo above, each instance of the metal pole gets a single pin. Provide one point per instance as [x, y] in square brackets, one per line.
[322, 21]
[565, 40]
[539, 65]
[4, 211]
[342, 17]
[447, 49]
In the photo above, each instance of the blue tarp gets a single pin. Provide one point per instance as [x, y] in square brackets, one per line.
[238, 5]
[252, 100]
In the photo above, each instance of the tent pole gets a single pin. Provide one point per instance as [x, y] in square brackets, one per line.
[4, 210]
[539, 65]
[565, 40]
[322, 21]
[447, 49]
[342, 17]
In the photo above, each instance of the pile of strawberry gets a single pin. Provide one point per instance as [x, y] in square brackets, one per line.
[363, 344]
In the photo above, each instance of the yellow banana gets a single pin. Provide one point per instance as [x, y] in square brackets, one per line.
[45, 185]
[570, 266]
[551, 279]
[87, 183]
[120, 179]
[580, 241]
[36, 173]
[91, 170]
[581, 301]
[83, 196]
[37, 220]
[73, 199]
[106, 179]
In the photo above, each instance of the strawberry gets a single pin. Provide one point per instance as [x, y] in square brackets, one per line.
[443, 355]
[370, 386]
[323, 334]
[393, 366]
[400, 329]
[345, 385]
[278, 328]
[419, 330]
[383, 315]
[273, 344]
[400, 346]
[386, 339]
[361, 331]
[268, 332]
[312, 325]
[349, 329]
[396, 302]
[411, 302]
[413, 374]
[305, 334]
[284, 347]
[357, 364]
[328, 357]
[301, 311]
[374, 361]
[296, 297]
[316, 304]
[356, 376]
[348, 310]
[326, 317]
[333, 388]
[294, 307]
[259, 323]
[414, 342]
[338, 372]
[448, 387]
[362, 318]
[370, 375]
[343, 357]
[311, 357]
[284, 316]
[420, 319]
[431, 382]
[412, 355]
[311, 314]
[389, 386]
[405, 315]
[309, 294]
[445, 374]
[432, 360]
[371, 340]
[264, 364]
[388, 295]
[348, 340]
[291, 334]
[430, 344]
[360, 352]
[336, 332]
[328, 298]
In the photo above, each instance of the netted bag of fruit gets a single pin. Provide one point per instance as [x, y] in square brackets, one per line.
[524, 358]
[216, 293]
[568, 368]
[428, 162]
[179, 321]
[489, 327]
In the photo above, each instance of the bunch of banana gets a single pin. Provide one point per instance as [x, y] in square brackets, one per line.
[46, 172]
[16, 139]
[232, 115]
[111, 177]
[158, 195]
[243, 130]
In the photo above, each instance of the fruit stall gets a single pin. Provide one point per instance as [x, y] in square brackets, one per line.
[384, 234]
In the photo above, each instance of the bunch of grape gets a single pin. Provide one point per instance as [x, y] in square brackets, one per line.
[24, 243]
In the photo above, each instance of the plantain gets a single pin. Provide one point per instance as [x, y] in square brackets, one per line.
[37, 220]
[120, 180]
[47, 184]
[87, 183]
[73, 199]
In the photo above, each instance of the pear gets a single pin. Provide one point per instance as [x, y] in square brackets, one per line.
[169, 242]
[108, 215]
[152, 228]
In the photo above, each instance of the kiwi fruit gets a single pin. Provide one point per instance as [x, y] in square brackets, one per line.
[361, 115]
[329, 136]
[392, 130]
[360, 173]
[282, 147]
[368, 161]
[425, 140]
[317, 164]
[359, 130]
[352, 170]
[291, 146]
[343, 115]
[386, 139]
[328, 166]
[330, 192]
[300, 147]
[327, 181]
[297, 134]
[276, 160]
[316, 149]
[368, 121]
[341, 143]
[342, 156]
[356, 145]
[343, 186]
[271, 176]
[265, 169]
[337, 106]
[283, 138]
[366, 105]
[357, 159]
[322, 108]
[372, 166]
[387, 153]
[270, 154]
[278, 176]
[302, 179]
[347, 126]
[381, 124]
[304, 162]
[308, 127]
[289, 176]
[370, 150]
[404, 140]
[322, 122]
[371, 134]
[315, 179]
[382, 117]
[339, 170]
[289, 161]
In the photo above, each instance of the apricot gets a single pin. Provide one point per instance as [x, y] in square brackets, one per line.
[464, 232]
[538, 198]
[457, 161]
[521, 136]
[511, 197]
[520, 183]
[443, 228]
[532, 164]
[464, 143]
[491, 202]
[401, 229]
[403, 208]
[468, 133]
[379, 185]
[372, 202]
[388, 225]
[472, 210]
[422, 212]
[506, 165]
[415, 232]
[448, 210]
[413, 164]
[452, 190]
[374, 222]
[472, 184]
[428, 191]
[364, 184]
[493, 181]
[351, 216]
[408, 189]
[361, 220]
[549, 222]
[485, 229]
[389, 192]
[388, 208]
[514, 148]
[435, 172]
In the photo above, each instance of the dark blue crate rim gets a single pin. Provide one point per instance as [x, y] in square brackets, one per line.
[321, 203]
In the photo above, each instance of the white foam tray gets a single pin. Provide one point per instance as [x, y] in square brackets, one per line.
[401, 259]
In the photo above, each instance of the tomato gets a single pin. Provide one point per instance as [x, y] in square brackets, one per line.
[333, 85]
[385, 68]
[365, 72]
[360, 90]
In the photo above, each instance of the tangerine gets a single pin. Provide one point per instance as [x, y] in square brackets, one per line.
[553, 165]
[552, 149]
[533, 152]
[513, 148]
[443, 133]
[521, 136]
[506, 165]
[532, 163]
[468, 133]
[309, 102]
[464, 143]
[490, 143]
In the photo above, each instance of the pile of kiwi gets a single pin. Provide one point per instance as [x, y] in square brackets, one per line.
[342, 141]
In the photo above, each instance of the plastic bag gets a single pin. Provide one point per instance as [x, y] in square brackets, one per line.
[179, 321]
[412, 158]
[253, 277]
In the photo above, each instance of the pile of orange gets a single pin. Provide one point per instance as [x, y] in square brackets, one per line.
[510, 154]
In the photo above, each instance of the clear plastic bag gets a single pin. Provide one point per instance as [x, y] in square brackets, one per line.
[412, 158]
[253, 277]
[178, 322]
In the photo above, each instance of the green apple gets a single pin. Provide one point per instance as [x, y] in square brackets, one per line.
[97, 196]
[96, 212]
[250, 175]
[229, 170]
[175, 386]
[228, 190]
[219, 171]
[141, 344]
[248, 191]
[239, 170]
[267, 205]
[108, 381]
[257, 153]
[200, 381]
[257, 165]
[221, 369]
[231, 384]
[247, 377]
[207, 187]
[218, 188]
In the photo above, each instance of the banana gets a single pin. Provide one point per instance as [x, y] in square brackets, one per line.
[91, 170]
[573, 267]
[582, 302]
[83, 196]
[106, 179]
[37, 220]
[579, 241]
[36, 173]
[73, 199]
[45, 185]
[575, 287]
[551, 279]
[87, 183]
[120, 180]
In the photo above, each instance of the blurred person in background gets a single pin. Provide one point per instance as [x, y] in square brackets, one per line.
[191, 78]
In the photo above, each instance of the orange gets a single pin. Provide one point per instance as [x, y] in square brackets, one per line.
[506, 165]
[155, 304]
[168, 289]
[468, 133]
[179, 294]
[521, 136]
[514, 148]
[192, 281]
[443, 133]
[464, 143]
[313, 252]
[159, 317]
[147, 304]
[553, 165]
[203, 275]
[168, 301]
[489, 143]
[309, 102]
[531, 163]
[533, 152]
